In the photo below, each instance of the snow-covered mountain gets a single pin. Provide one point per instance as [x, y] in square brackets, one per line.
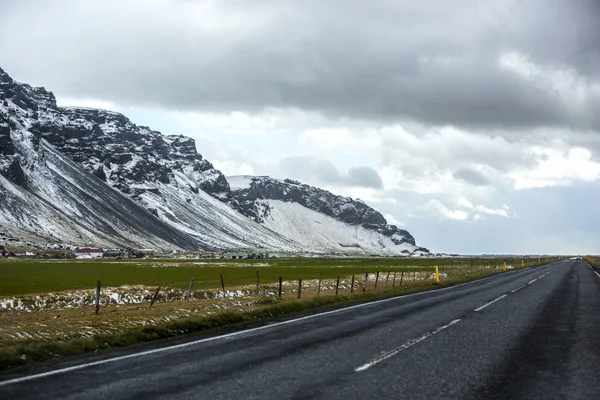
[316, 217]
[92, 177]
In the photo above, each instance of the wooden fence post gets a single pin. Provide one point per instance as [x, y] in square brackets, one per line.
[394, 280]
[222, 284]
[300, 288]
[98, 285]
[154, 298]
[401, 278]
[257, 283]
[189, 293]
[319, 285]
[387, 278]
[352, 286]
[337, 286]
[366, 280]
[376, 279]
[280, 284]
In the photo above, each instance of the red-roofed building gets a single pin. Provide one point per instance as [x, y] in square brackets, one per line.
[88, 253]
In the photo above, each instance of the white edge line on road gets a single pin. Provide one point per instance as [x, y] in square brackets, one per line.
[597, 274]
[405, 346]
[530, 282]
[517, 289]
[490, 303]
[233, 334]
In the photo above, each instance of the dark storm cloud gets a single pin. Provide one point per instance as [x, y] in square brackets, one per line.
[313, 169]
[435, 61]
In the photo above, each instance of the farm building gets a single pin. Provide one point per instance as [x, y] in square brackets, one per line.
[88, 253]
[114, 253]
[239, 256]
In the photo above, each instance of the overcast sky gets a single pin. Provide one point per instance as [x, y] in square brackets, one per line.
[473, 124]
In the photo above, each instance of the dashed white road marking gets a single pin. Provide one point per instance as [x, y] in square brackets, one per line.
[530, 282]
[405, 346]
[490, 303]
[517, 289]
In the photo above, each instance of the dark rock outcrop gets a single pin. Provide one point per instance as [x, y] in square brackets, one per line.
[345, 209]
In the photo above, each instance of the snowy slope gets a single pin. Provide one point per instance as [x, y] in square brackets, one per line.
[320, 232]
[55, 199]
[209, 220]
[318, 219]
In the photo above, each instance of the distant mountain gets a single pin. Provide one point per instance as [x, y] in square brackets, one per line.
[92, 177]
[313, 216]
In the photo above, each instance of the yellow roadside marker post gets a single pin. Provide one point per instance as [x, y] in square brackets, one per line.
[505, 265]
[437, 274]
[522, 263]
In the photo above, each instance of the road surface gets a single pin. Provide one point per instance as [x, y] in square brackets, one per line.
[526, 334]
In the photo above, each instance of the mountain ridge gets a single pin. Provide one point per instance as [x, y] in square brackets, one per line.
[145, 182]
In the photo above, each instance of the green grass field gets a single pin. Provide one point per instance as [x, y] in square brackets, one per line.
[19, 277]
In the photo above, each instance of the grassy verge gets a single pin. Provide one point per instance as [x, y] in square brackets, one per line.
[20, 351]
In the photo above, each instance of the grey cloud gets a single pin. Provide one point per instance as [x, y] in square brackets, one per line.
[400, 60]
[472, 177]
[313, 169]
[365, 177]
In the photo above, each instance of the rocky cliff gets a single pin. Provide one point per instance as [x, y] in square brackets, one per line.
[250, 193]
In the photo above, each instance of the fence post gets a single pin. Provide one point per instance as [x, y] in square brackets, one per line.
[337, 286]
[257, 283]
[352, 285]
[376, 279]
[280, 287]
[222, 283]
[189, 293]
[154, 297]
[319, 285]
[366, 280]
[387, 278]
[394, 280]
[300, 288]
[98, 285]
[401, 278]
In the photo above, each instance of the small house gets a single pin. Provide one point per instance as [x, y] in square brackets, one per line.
[88, 253]
[114, 253]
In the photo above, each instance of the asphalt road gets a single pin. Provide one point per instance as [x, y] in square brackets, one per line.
[527, 334]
